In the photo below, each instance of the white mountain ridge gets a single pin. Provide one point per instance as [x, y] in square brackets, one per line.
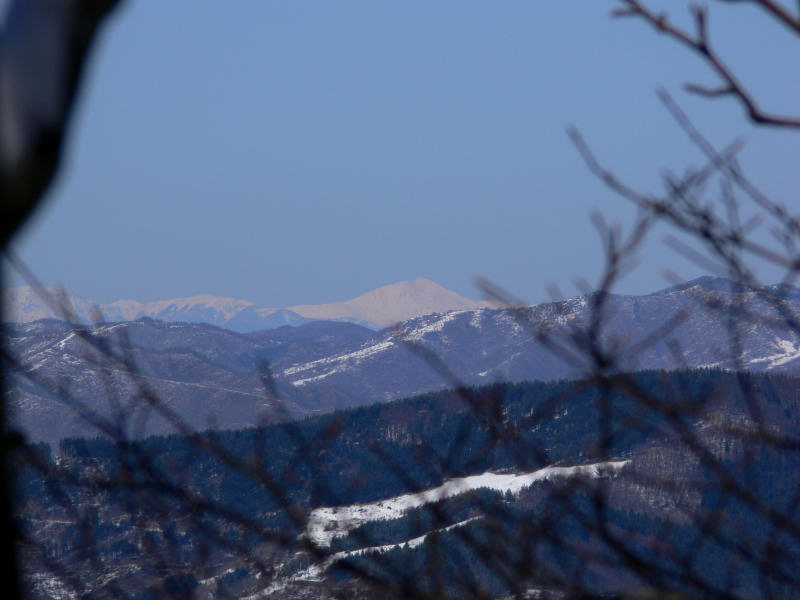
[378, 308]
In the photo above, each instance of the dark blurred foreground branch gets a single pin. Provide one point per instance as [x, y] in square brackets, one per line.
[43, 52]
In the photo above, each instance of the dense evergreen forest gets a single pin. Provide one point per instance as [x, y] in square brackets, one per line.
[705, 503]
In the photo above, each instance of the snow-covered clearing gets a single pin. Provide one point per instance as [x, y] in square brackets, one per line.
[328, 523]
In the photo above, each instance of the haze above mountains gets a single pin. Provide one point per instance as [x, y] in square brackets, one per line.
[375, 309]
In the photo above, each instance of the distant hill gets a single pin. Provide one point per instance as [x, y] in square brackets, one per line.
[215, 377]
[376, 309]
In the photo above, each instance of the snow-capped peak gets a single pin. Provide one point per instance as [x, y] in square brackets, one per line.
[378, 308]
[392, 303]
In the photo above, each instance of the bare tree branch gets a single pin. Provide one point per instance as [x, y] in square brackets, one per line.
[700, 43]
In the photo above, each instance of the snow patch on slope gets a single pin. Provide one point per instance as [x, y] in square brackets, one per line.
[315, 571]
[328, 523]
[415, 335]
[338, 362]
[789, 351]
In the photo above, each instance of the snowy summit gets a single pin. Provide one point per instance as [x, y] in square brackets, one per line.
[378, 308]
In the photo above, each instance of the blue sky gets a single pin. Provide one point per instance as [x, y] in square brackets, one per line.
[306, 152]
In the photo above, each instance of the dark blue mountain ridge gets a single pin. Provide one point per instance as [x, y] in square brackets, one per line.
[213, 376]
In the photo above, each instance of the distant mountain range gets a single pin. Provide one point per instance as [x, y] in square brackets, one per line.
[376, 309]
[213, 377]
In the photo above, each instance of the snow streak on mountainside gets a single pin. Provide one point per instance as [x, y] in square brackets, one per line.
[378, 308]
[327, 523]
[675, 328]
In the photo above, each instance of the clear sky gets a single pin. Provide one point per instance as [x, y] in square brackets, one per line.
[306, 152]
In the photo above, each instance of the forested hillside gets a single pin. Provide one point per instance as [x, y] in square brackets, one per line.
[571, 485]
